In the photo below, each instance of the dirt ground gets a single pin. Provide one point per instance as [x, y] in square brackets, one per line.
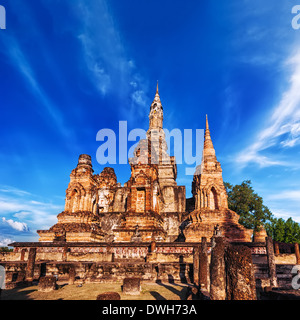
[89, 291]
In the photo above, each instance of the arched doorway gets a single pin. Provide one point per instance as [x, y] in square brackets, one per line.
[75, 200]
[213, 199]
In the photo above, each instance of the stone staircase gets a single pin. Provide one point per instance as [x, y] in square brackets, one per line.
[284, 275]
[283, 271]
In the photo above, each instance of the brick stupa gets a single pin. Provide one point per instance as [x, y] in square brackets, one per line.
[211, 205]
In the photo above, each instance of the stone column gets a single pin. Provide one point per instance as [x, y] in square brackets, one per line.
[196, 270]
[72, 274]
[152, 255]
[239, 273]
[110, 255]
[23, 251]
[217, 269]
[153, 246]
[271, 262]
[297, 253]
[203, 270]
[64, 254]
[30, 264]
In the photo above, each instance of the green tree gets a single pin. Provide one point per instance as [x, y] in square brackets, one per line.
[292, 231]
[276, 229]
[285, 231]
[249, 205]
[253, 213]
[5, 249]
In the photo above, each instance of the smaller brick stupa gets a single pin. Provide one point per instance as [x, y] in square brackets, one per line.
[211, 206]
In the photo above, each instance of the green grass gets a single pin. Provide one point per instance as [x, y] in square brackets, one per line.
[90, 291]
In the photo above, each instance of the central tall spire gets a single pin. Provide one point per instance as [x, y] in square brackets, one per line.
[156, 102]
[156, 112]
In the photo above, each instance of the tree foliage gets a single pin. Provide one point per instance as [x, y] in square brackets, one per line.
[249, 205]
[253, 213]
[5, 249]
[285, 231]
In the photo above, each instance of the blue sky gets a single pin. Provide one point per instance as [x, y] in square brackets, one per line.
[70, 68]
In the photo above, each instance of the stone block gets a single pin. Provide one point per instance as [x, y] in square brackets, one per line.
[204, 265]
[72, 275]
[132, 286]
[109, 296]
[30, 264]
[217, 270]
[47, 284]
[239, 273]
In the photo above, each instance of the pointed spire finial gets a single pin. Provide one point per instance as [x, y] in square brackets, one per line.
[207, 125]
[208, 145]
[207, 132]
[157, 97]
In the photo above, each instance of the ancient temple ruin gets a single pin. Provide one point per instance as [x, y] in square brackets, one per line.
[99, 209]
[145, 228]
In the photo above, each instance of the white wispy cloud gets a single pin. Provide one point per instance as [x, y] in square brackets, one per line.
[20, 60]
[263, 31]
[111, 69]
[294, 135]
[4, 242]
[286, 214]
[41, 215]
[19, 226]
[284, 203]
[283, 126]
[291, 195]
[13, 190]
[101, 78]
[31, 214]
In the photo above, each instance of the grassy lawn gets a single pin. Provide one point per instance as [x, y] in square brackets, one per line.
[89, 291]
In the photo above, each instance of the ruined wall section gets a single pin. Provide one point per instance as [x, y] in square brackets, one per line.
[92, 207]
[142, 220]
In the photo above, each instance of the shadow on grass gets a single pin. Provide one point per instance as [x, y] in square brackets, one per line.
[157, 295]
[180, 293]
[20, 293]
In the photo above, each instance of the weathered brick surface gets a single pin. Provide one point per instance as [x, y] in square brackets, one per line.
[30, 264]
[47, 284]
[109, 296]
[239, 273]
[217, 270]
[132, 286]
[204, 264]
